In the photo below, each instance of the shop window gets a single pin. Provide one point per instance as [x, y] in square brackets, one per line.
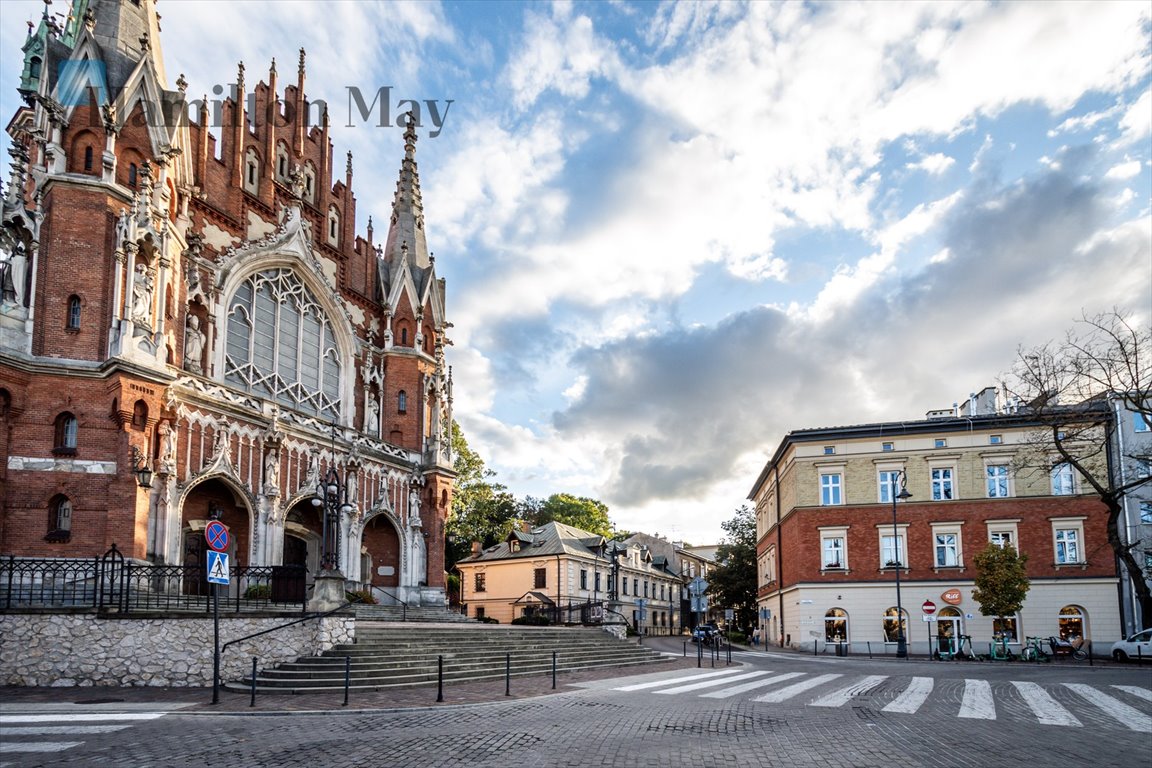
[836, 625]
[1072, 622]
[1006, 628]
[891, 628]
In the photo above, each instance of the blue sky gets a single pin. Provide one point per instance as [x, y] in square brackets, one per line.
[672, 232]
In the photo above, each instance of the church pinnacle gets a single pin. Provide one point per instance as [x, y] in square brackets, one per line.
[407, 225]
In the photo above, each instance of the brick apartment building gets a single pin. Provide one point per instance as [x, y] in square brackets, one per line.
[211, 311]
[828, 546]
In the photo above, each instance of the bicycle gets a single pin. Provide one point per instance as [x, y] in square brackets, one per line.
[1061, 647]
[1034, 650]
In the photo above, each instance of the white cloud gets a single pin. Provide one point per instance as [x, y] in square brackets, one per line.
[1137, 121]
[1126, 170]
[934, 164]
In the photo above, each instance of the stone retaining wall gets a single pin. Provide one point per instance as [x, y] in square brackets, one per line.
[85, 649]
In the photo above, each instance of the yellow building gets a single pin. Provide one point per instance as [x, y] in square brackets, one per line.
[569, 575]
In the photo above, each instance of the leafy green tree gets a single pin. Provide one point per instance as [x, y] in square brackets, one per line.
[578, 511]
[482, 509]
[732, 583]
[1001, 581]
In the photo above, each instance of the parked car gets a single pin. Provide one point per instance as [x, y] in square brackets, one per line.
[1137, 646]
[705, 633]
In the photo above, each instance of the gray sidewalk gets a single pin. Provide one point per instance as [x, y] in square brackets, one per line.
[478, 692]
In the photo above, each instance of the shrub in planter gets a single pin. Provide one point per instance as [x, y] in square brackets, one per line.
[258, 592]
[363, 596]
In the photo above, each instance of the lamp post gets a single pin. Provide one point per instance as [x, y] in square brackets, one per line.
[901, 640]
[330, 501]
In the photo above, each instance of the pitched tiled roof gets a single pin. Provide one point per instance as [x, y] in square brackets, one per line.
[543, 541]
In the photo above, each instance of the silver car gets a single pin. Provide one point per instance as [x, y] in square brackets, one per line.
[1137, 646]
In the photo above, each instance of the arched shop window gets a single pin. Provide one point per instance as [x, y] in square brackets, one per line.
[1073, 622]
[891, 628]
[835, 625]
[281, 345]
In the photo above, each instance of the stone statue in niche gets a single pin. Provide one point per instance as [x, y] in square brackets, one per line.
[372, 417]
[142, 295]
[271, 471]
[193, 346]
[414, 508]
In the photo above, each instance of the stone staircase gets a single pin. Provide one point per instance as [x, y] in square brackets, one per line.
[393, 655]
[424, 614]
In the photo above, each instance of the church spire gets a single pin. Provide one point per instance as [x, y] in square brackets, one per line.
[407, 226]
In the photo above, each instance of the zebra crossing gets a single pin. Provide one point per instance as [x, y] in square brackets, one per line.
[39, 729]
[1120, 705]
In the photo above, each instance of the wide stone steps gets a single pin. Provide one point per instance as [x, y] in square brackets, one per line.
[437, 614]
[409, 655]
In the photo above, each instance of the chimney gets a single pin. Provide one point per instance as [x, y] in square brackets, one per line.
[476, 549]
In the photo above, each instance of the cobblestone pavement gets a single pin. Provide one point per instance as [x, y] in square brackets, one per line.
[639, 717]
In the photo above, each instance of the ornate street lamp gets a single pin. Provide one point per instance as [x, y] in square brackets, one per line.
[141, 469]
[330, 500]
[901, 640]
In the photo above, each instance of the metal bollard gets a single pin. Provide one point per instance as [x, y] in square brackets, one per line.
[814, 646]
[508, 674]
[553, 670]
[347, 678]
[869, 650]
[440, 678]
[253, 702]
[699, 654]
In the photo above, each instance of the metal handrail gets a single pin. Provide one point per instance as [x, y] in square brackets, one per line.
[326, 614]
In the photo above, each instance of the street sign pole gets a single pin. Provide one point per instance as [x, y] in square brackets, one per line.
[215, 643]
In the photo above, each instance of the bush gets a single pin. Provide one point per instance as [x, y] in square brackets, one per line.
[488, 620]
[532, 621]
[363, 596]
[737, 637]
[258, 592]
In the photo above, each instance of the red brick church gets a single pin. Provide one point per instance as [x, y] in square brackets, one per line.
[210, 312]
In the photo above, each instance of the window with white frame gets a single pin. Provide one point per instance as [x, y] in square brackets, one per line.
[1005, 627]
[887, 446]
[1146, 512]
[942, 479]
[768, 567]
[995, 439]
[831, 492]
[893, 545]
[833, 552]
[1063, 481]
[888, 485]
[996, 476]
[946, 545]
[1142, 422]
[1068, 540]
[1003, 533]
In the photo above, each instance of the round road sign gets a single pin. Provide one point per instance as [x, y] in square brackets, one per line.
[929, 607]
[216, 534]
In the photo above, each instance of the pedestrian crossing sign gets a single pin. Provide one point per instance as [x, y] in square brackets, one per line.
[217, 567]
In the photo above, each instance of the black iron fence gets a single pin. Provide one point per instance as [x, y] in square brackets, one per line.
[113, 582]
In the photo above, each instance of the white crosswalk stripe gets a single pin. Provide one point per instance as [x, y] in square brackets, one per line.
[977, 702]
[786, 693]
[913, 697]
[710, 683]
[44, 728]
[745, 687]
[1141, 693]
[1118, 710]
[1046, 709]
[844, 695]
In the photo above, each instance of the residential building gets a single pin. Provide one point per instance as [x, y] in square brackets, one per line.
[1132, 465]
[198, 297]
[571, 576]
[833, 533]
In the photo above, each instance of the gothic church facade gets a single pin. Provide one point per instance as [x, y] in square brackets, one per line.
[211, 314]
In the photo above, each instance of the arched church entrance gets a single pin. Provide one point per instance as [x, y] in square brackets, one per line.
[380, 558]
[302, 533]
[212, 500]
